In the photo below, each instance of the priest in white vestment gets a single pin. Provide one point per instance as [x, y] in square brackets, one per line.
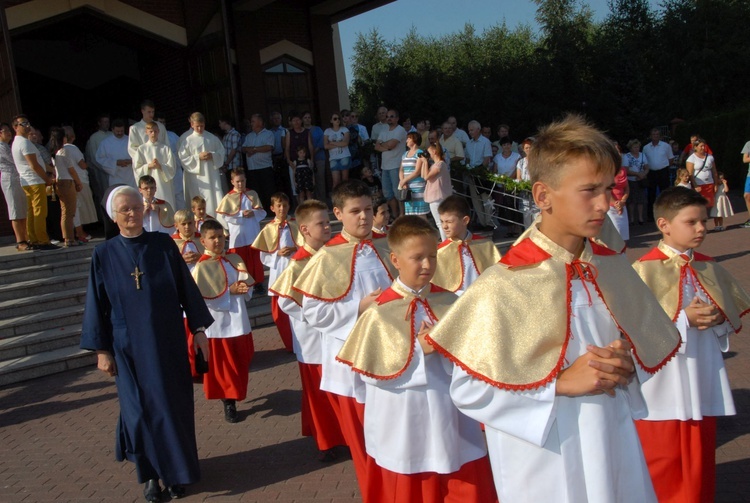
[112, 155]
[137, 135]
[202, 156]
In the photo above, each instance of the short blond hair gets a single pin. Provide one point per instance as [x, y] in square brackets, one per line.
[566, 140]
[197, 117]
[306, 210]
[407, 226]
[181, 216]
[152, 125]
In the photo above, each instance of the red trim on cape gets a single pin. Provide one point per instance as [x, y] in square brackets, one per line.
[387, 296]
[524, 253]
[338, 239]
[445, 243]
[378, 235]
[301, 254]
[598, 249]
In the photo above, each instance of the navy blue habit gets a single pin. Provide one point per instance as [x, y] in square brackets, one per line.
[145, 332]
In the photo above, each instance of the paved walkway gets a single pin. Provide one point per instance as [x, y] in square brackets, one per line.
[56, 433]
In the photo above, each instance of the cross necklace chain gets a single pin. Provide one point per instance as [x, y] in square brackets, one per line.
[137, 273]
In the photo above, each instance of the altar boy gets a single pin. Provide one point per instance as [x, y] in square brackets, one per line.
[419, 446]
[338, 284]
[537, 339]
[158, 215]
[225, 285]
[705, 303]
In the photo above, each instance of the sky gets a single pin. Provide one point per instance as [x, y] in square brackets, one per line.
[439, 17]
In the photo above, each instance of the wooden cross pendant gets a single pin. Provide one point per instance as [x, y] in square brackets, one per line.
[137, 275]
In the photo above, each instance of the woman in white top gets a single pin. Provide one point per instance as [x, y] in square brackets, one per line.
[522, 166]
[67, 185]
[635, 163]
[85, 208]
[702, 169]
[336, 142]
[505, 161]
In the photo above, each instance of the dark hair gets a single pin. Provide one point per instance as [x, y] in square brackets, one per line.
[303, 147]
[147, 103]
[415, 137]
[146, 179]
[18, 118]
[505, 141]
[56, 139]
[378, 202]
[293, 114]
[673, 199]
[118, 123]
[407, 226]
[304, 211]
[279, 197]
[237, 172]
[227, 119]
[455, 204]
[349, 189]
[211, 225]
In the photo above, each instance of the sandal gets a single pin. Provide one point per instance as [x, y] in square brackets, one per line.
[70, 243]
[23, 246]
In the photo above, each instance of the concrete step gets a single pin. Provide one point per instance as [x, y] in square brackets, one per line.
[38, 342]
[42, 302]
[26, 259]
[65, 267]
[42, 364]
[45, 320]
[39, 286]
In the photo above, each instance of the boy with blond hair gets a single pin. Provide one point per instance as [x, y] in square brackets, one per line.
[198, 207]
[276, 243]
[537, 339]
[318, 417]
[419, 446]
[187, 239]
[338, 284]
[705, 303]
[462, 257]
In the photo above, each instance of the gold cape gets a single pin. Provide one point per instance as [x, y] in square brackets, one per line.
[449, 273]
[329, 275]
[283, 284]
[268, 238]
[182, 242]
[165, 213]
[381, 344]
[232, 202]
[664, 270]
[512, 326]
[210, 276]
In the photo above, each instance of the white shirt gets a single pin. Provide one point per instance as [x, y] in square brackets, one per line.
[477, 150]
[110, 150]
[229, 311]
[392, 158]
[702, 171]
[506, 165]
[307, 342]
[464, 137]
[411, 424]
[151, 223]
[657, 156]
[21, 148]
[243, 231]
[336, 320]
[276, 263]
[470, 272]
[545, 447]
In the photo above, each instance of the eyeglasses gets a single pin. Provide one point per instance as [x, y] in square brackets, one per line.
[130, 211]
[334, 118]
[24, 124]
[390, 116]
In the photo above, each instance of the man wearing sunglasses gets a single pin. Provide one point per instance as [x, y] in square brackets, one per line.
[34, 180]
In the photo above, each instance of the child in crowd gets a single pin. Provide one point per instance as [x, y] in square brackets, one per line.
[684, 398]
[318, 417]
[338, 284]
[723, 206]
[419, 446]
[225, 284]
[376, 188]
[198, 207]
[158, 214]
[276, 243]
[382, 214]
[682, 178]
[304, 177]
[186, 238]
[542, 341]
[462, 257]
[243, 213]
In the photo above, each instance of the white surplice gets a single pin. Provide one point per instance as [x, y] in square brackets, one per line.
[229, 311]
[694, 383]
[545, 447]
[164, 176]
[276, 263]
[336, 320]
[137, 136]
[411, 424]
[243, 230]
[111, 150]
[307, 342]
[203, 178]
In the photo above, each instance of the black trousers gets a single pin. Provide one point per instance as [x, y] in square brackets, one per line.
[657, 181]
[262, 181]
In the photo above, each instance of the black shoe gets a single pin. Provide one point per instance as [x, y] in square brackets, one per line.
[152, 491]
[176, 492]
[47, 247]
[230, 411]
[259, 289]
[328, 456]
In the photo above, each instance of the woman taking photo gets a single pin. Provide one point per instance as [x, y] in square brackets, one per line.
[336, 142]
[701, 167]
[437, 183]
[410, 176]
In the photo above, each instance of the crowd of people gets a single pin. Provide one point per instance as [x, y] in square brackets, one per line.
[407, 345]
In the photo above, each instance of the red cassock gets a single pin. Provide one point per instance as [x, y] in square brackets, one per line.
[318, 417]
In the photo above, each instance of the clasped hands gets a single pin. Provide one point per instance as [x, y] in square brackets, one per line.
[599, 370]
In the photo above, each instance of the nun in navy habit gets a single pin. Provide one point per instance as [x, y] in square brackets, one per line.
[138, 288]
